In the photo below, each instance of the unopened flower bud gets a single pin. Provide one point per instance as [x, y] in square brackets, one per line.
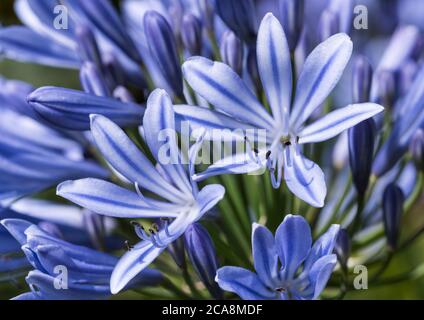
[393, 199]
[88, 49]
[416, 148]
[163, 48]
[202, 255]
[92, 80]
[343, 247]
[361, 151]
[292, 14]
[191, 34]
[361, 79]
[232, 51]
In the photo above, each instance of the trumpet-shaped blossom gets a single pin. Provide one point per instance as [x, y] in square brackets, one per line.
[287, 266]
[181, 202]
[287, 127]
[64, 270]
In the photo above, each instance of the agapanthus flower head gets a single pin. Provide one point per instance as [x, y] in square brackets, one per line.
[182, 203]
[287, 127]
[277, 262]
[86, 272]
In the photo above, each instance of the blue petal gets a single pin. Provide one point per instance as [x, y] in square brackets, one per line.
[304, 178]
[17, 228]
[126, 158]
[320, 273]
[70, 109]
[323, 246]
[132, 263]
[26, 296]
[293, 242]
[237, 164]
[274, 64]
[265, 255]
[222, 87]
[208, 197]
[320, 74]
[22, 44]
[244, 283]
[160, 135]
[337, 121]
[108, 199]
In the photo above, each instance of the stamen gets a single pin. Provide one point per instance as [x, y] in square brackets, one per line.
[139, 230]
[128, 246]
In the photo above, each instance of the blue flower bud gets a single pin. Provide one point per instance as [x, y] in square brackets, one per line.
[232, 51]
[407, 76]
[292, 14]
[361, 79]
[343, 246]
[163, 48]
[361, 151]
[206, 8]
[114, 73]
[93, 81]
[51, 229]
[191, 34]
[202, 255]
[416, 148]
[386, 88]
[393, 199]
[88, 49]
[328, 25]
[240, 17]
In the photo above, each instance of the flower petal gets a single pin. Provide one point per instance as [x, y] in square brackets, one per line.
[244, 283]
[222, 87]
[323, 246]
[265, 255]
[337, 121]
[208, 197]
[160, 135]
[108, 199]
[293, 242]
[132, 263]
[320, 74]
[17, 228]
[275, 68]
[304, 178]
[320, 273]
[126, 158]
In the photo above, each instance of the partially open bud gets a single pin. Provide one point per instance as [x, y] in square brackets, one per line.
[361, 152]
[163, 48]
[191, 34]
[202, 255]
[342, 247]
[416, 148]
[361, 79]
[232, 51]
[393, 199]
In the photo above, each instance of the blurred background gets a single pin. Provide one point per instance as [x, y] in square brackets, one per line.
[408, 260]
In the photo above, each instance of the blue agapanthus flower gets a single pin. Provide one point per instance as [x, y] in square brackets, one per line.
[287, 127]
[287, 266]
[84, 273]
[182, 203]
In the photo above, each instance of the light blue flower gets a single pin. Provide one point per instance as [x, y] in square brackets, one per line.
[181, 202]
[287, 266]
[287, 129]
[87, 272]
